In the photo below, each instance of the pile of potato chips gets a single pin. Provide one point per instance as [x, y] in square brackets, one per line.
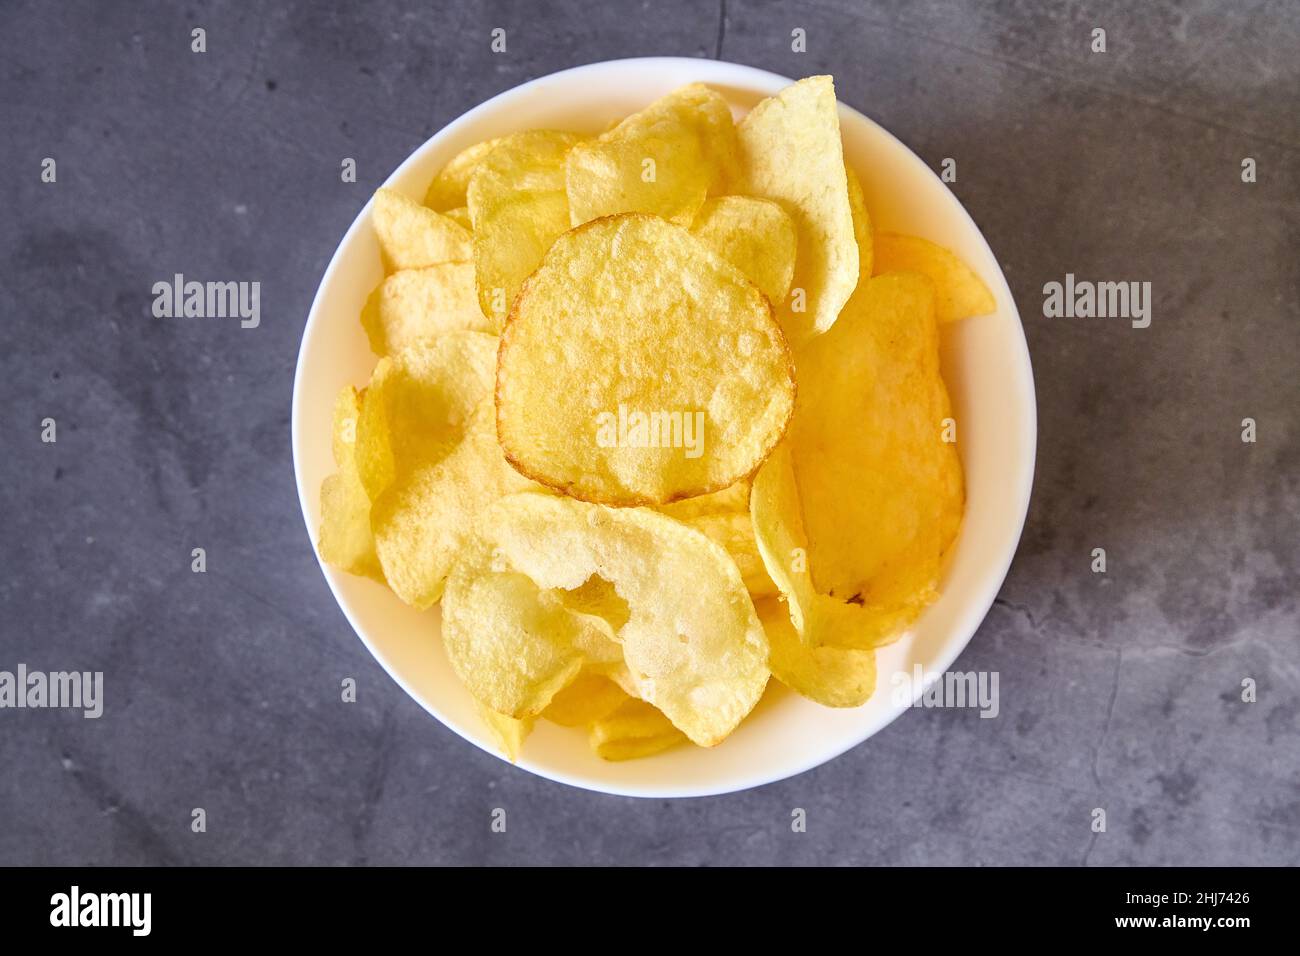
[657, 416]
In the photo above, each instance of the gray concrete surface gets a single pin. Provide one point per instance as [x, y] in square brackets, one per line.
[1120, 691]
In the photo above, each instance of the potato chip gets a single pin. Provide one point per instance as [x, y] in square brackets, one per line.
[959, 292]
[692, 643]
[419, 402]
[638, 367]
[417, 304]
[735, 532]
[518, 207]
[754, 235]
[832, 676]
[460, 216]
[790, 152]
[635, 729]
[447, 191]
[865, 486]
[663, 160]
[862, 230]
[589, 698]
[345, 540]
[509, 733]
[422, 519]
[412, 236]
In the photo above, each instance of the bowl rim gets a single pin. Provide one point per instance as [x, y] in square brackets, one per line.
[976, 609]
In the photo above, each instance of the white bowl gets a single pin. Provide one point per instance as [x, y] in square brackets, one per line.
[985, 363]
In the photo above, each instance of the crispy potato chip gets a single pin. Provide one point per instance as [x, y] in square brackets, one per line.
[735, 532]
[832, 676]
[959, 292]
[422, 519]
[790, 152]
[635, 729]
[518, 207]
[460, 216]
[447, 191]
[345, 540]
[862, 230]
[412, 236]
[416, 304]
[589, 698]
[509, 733]
[419, 402]
[864, 497]
[663, 160]
[637, 367]
[695, 650]
[754, 235]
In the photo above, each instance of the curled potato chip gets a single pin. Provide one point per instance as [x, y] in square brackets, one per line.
[518, 206]
[447, 191]
[663, 160]
[344, 539]
[959, 292]
[735, 532]
[412, 236]
[509, 733]
[862, 230]
[695, 651]
[832, 676]
[423, 518]
[589, 698]
[421, 303]
[637, 367]
[419, 402]
[790, 152]
[634, 729]
[754, 235]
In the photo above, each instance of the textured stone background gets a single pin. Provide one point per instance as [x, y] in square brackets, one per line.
[1118, 690]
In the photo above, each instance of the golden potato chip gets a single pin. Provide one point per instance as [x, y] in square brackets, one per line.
[862, 230]
[790, 152]
[518, 207]
[637, 367]
[447, 191]
[735, 532]
[692, 642]
[416, 304]
[419, 402]
[460, 216]
[422, 519]
[663, 160]
[635, 729]
[509, 733]
[832, 676]
[345, 540]
[754, 235]
[589, 698]
[412, 236]
[865, 496]
[959, 292]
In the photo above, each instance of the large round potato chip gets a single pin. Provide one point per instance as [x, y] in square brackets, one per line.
[345, 540]
[447, 191]
[419, 402]
[754, 235]
[692, 642]
[959, 292]
[790, 152]
[417, 304]
[518, 207]
[412, 236]
[663, 160]
[421, 520]
[637, 367]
